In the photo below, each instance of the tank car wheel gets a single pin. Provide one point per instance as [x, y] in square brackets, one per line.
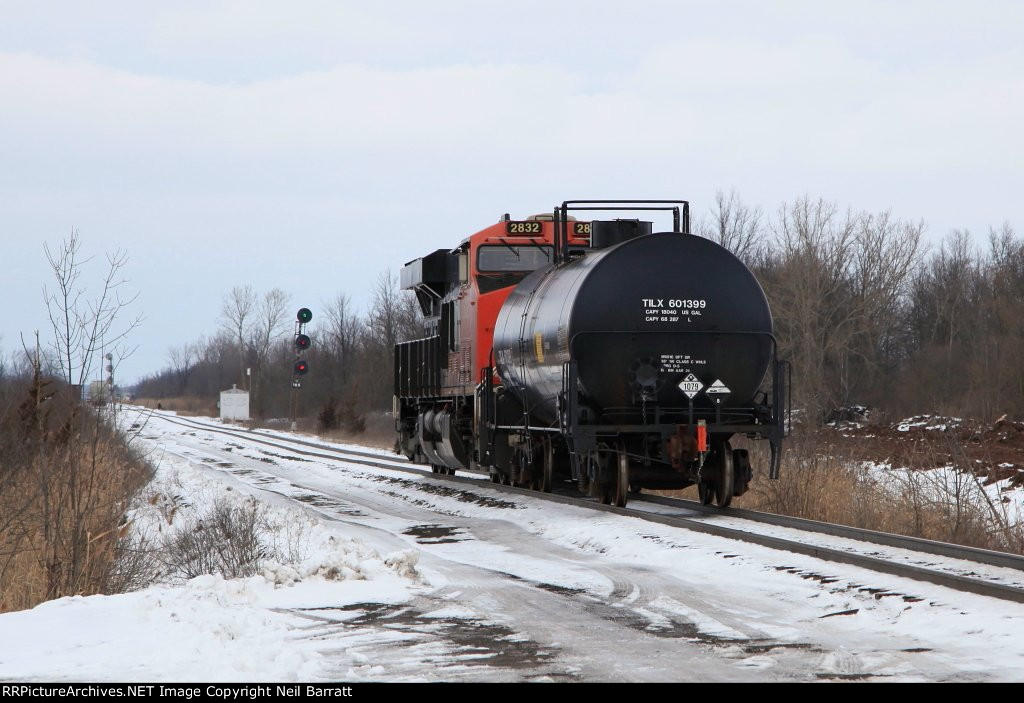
[726, 476]
[435, 469]
[495, 477]
[742, 471]
[524, 477]
[705, 492]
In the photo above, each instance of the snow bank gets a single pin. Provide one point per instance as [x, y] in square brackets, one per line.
[208, 628]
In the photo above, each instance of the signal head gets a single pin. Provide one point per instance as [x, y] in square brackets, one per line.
[301, 367]
[302, 342]
[304, 315]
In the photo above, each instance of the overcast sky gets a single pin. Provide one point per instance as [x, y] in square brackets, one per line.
[313, 145]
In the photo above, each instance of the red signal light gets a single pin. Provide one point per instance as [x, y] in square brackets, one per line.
[301, 367]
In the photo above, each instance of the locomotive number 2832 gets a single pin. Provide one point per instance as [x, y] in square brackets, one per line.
[523, 227]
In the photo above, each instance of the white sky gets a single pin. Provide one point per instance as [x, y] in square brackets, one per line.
[312, 145]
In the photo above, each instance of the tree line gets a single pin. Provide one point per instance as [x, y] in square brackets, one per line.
[867, 313]
[350, 358]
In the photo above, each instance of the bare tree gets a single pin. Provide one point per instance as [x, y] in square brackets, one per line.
[885, 254]
[183, 361]
[837, 283]
[271, 323]
[238, 309]
[77, 465]
[965, 316]
[1000, 375]
[943, 293]
[733, 225]
[393, 317]
[808, 290]
[82, 328]
[215, 355]
[384, 317]
[342, 332]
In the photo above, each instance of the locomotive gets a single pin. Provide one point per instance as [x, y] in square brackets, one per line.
[597, 352]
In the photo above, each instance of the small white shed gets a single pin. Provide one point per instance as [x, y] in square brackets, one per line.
[234, 404]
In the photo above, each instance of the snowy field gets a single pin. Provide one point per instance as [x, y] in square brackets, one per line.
[386, 576]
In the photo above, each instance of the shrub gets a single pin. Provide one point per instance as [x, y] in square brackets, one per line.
[226, 541]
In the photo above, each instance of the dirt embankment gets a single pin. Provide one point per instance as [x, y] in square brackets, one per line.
[994, 451]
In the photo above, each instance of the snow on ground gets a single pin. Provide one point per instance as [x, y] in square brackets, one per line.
[937, 423]
[207, 628]
[388, 576]
[946, 484]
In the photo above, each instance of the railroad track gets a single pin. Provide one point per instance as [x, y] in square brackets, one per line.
[897, 555]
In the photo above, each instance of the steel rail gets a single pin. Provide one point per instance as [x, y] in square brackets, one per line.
[954, 581]
[915, 544]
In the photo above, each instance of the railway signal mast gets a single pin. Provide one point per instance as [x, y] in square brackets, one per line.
[301, 366]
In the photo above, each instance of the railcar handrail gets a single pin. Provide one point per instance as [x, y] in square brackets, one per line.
[562, 216]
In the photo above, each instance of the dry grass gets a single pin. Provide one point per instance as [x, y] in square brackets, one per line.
[379, 427]
[822, 481]
[63, 501]
[379, 432]
[185, 405]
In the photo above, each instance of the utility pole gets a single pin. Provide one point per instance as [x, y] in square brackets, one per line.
[110, 386]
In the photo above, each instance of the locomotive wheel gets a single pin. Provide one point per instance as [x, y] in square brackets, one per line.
[620, 488]
[595, 487]
[726, 475]
[583, 483]
[547, 465]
